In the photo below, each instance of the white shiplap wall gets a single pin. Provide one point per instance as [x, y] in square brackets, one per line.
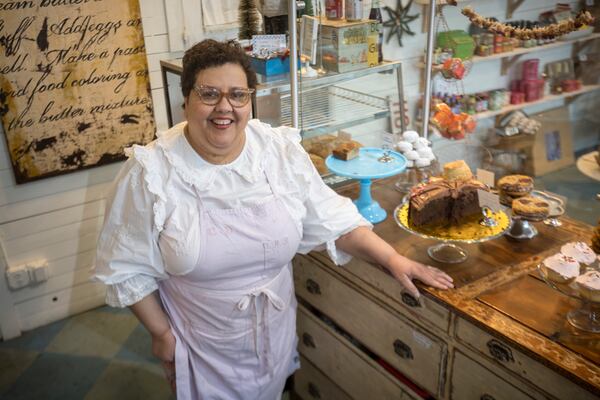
[58, 219]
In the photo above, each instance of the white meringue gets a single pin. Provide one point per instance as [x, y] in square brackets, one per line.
[410, 136]
[404, 146]
[426, 152]
[422, 162]
[411, 155]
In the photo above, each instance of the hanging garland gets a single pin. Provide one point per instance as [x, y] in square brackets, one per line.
[546, 32]
[399, 19]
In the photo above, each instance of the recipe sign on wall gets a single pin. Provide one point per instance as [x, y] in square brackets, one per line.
[74, 88]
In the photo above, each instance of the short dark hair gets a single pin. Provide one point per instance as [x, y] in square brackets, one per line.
[211, 53]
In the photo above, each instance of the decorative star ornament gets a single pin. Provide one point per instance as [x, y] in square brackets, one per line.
[399, 20]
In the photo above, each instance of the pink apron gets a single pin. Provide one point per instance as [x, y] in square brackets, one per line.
[234, 315]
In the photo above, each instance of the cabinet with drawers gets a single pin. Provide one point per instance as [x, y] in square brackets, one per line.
[471, 342]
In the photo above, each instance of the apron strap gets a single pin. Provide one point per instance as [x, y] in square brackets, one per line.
[271, 298]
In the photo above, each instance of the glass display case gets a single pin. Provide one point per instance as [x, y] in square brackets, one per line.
[358, 106]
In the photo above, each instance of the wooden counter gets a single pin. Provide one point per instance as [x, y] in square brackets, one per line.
[501, 333]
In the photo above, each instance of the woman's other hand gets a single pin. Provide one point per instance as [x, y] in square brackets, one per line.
[163, 348]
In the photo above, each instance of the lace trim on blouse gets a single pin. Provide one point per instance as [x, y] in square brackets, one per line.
[130, 291]
[153, 182]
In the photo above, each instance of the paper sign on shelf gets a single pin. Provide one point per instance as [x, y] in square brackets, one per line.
[489, 200]
[387, 140]
[486, 177]
[268, 43]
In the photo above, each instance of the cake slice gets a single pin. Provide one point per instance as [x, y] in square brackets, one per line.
[345, 151]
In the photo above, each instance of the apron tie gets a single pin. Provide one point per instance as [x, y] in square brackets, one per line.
[277, 302]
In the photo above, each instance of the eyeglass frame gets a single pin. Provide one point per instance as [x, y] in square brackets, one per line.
[223, 94]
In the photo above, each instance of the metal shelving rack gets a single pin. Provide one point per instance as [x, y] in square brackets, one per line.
[326, 106]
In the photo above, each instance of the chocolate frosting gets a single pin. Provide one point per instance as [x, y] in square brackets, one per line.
[437, 187]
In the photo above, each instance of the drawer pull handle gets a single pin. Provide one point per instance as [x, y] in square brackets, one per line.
[486, 396]
[410, 300]
[499, 351]
[313, 390]
[403, 350]
[313, 287]
[308, 340]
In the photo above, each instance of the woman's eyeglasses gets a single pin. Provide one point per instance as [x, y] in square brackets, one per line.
[237, 97]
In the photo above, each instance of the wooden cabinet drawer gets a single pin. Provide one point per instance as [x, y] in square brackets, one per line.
[382, 284]
[310, 383]
[472, 381]
[531, 370]
[344, 364]
[418, 355]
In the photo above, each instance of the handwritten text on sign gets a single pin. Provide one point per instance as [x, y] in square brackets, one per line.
[74, 87]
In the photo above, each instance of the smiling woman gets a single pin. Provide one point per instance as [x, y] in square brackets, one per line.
[211, 214]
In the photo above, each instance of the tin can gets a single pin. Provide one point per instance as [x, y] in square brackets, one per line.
[333, 9]
[354, 10]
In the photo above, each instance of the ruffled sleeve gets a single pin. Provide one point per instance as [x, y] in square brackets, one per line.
[128, 259]
[328, 215]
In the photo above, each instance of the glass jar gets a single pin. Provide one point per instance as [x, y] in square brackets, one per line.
[412, 176]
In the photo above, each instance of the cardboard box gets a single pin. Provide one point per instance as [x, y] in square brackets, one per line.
[345, 45]
[553, 145]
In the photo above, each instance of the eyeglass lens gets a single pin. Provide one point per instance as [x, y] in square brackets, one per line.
[212, 96]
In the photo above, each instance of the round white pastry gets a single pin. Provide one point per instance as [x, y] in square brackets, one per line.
[426, 152]
[410, 163]
[579, 251]
[411, 155]
[561, 268]
[589, 285]
[419, 145]
[421, 141]
[410, 136]
[422, 162]
[404, 146]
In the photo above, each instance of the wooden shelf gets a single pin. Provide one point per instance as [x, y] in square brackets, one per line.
[524, 50]
[552, 97]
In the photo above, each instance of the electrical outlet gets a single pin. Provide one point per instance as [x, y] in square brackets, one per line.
[18, 276]
[38, 270]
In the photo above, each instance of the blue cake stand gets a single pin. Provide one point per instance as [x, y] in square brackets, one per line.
[371, 163]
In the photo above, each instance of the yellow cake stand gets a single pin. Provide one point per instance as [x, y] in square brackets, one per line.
[476, 229]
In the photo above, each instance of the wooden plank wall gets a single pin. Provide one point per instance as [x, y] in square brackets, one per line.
[59, 218]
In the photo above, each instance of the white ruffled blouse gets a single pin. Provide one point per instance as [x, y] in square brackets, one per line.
[151, 227]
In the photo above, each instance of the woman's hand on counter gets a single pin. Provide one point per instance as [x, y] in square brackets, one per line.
[405, 270]
[364, 243]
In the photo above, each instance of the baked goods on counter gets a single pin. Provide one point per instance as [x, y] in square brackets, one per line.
[589, 285]
[515, 185]
[580, 252]
[345, 151]
[416, 149]
[530, 207]
[322, 147]
[319, 164]
[442, 201]
[561, 268]
[457, 171]
[596, 238]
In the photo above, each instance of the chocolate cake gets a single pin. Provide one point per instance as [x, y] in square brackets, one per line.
[442, 202]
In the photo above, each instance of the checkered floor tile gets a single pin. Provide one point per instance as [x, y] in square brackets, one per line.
[100, 354]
